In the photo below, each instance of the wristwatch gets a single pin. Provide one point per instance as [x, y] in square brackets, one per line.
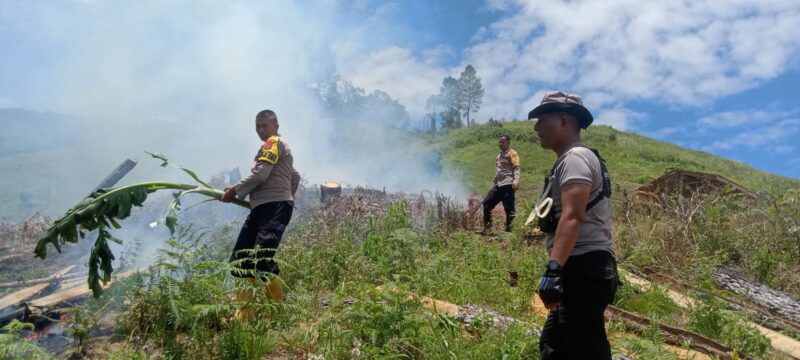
[553, 265]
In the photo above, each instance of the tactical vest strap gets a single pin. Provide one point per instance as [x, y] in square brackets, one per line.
[605, 193]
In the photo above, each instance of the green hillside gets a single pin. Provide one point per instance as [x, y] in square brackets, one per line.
[632, 159]
[355, 274]
[761, 239]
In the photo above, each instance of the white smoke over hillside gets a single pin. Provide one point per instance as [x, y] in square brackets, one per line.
[186, 78]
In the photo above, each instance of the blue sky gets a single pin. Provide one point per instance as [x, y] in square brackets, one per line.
[715, 76]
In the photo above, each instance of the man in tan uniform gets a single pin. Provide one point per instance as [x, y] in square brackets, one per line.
[504, 185]
[271, 187]
[580, 279]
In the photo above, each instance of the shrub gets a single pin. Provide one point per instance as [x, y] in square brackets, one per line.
[730, 328]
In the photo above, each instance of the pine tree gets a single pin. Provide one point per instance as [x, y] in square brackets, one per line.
[470, 97]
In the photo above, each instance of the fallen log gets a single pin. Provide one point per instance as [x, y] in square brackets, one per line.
[77, 290]
[69, 295]
[780, 342]
[19, 304]
[71, 283]
[670, 344]
[678, 337]
[774, 301]
[59, 275]
[9, 304]
[673, 336]
[7, 258]
[763, 316]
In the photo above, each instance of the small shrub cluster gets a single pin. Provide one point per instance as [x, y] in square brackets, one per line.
[685, 237]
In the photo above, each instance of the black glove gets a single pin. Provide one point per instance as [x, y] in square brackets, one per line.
[550, 288]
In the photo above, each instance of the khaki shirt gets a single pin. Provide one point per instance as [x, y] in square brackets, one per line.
[579, 165]
[272, 177]
[507, 168]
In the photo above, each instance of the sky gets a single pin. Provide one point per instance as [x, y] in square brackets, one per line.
[716, 76]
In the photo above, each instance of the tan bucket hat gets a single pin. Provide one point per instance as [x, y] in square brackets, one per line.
[556, 101]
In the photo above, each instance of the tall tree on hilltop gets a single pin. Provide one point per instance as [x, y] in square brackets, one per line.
[431, 105]
[470, 97]
[449, 95]
[379, 106]
[344, 101]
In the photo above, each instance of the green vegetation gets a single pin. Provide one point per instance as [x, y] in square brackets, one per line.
[710, 318]
[350, 281]
[632, 159]
[12, 346]
[105, 207]
[729, 327]
[354, 282]
[683, 237]
[338, 275]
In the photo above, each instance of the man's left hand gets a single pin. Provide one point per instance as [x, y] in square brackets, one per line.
[515, 187]
[551, 289]
[229, 194]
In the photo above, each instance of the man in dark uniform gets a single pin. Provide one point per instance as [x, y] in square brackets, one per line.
[271, 187]
[580, 279]
[504, 185]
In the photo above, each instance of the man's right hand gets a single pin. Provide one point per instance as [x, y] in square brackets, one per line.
[229, 195]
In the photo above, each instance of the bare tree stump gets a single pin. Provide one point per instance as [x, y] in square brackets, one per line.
[329, 191]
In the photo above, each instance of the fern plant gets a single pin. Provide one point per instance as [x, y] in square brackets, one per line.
[13, 346]
[104, 208]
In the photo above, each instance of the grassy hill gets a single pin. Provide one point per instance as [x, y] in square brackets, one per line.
[682, 239]
[350, 272]
[676, 237]
[632, 159]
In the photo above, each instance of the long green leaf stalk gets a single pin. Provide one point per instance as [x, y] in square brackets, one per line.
[104, 208]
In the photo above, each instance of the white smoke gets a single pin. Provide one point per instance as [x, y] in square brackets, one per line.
[186, 78]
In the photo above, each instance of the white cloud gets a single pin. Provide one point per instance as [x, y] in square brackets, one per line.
[734, 118]
[730, 119]
[399, 73]
[609, 51]
[769, 136]
[672, 52]
[618, 118]
[664, 133]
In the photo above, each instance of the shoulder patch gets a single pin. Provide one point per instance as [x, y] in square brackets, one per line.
[269, 151]
[512, 154]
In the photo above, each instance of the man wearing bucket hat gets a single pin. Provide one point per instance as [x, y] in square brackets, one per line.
[580, 279]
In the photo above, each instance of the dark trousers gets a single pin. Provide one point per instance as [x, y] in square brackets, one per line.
[497, 194]
[259, 239]
[576, 331]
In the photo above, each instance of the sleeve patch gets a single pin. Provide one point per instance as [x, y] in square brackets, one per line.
[269, 151]
[514, 158]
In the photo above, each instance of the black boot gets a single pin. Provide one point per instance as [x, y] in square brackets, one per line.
[509, 221]
[487, 220]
